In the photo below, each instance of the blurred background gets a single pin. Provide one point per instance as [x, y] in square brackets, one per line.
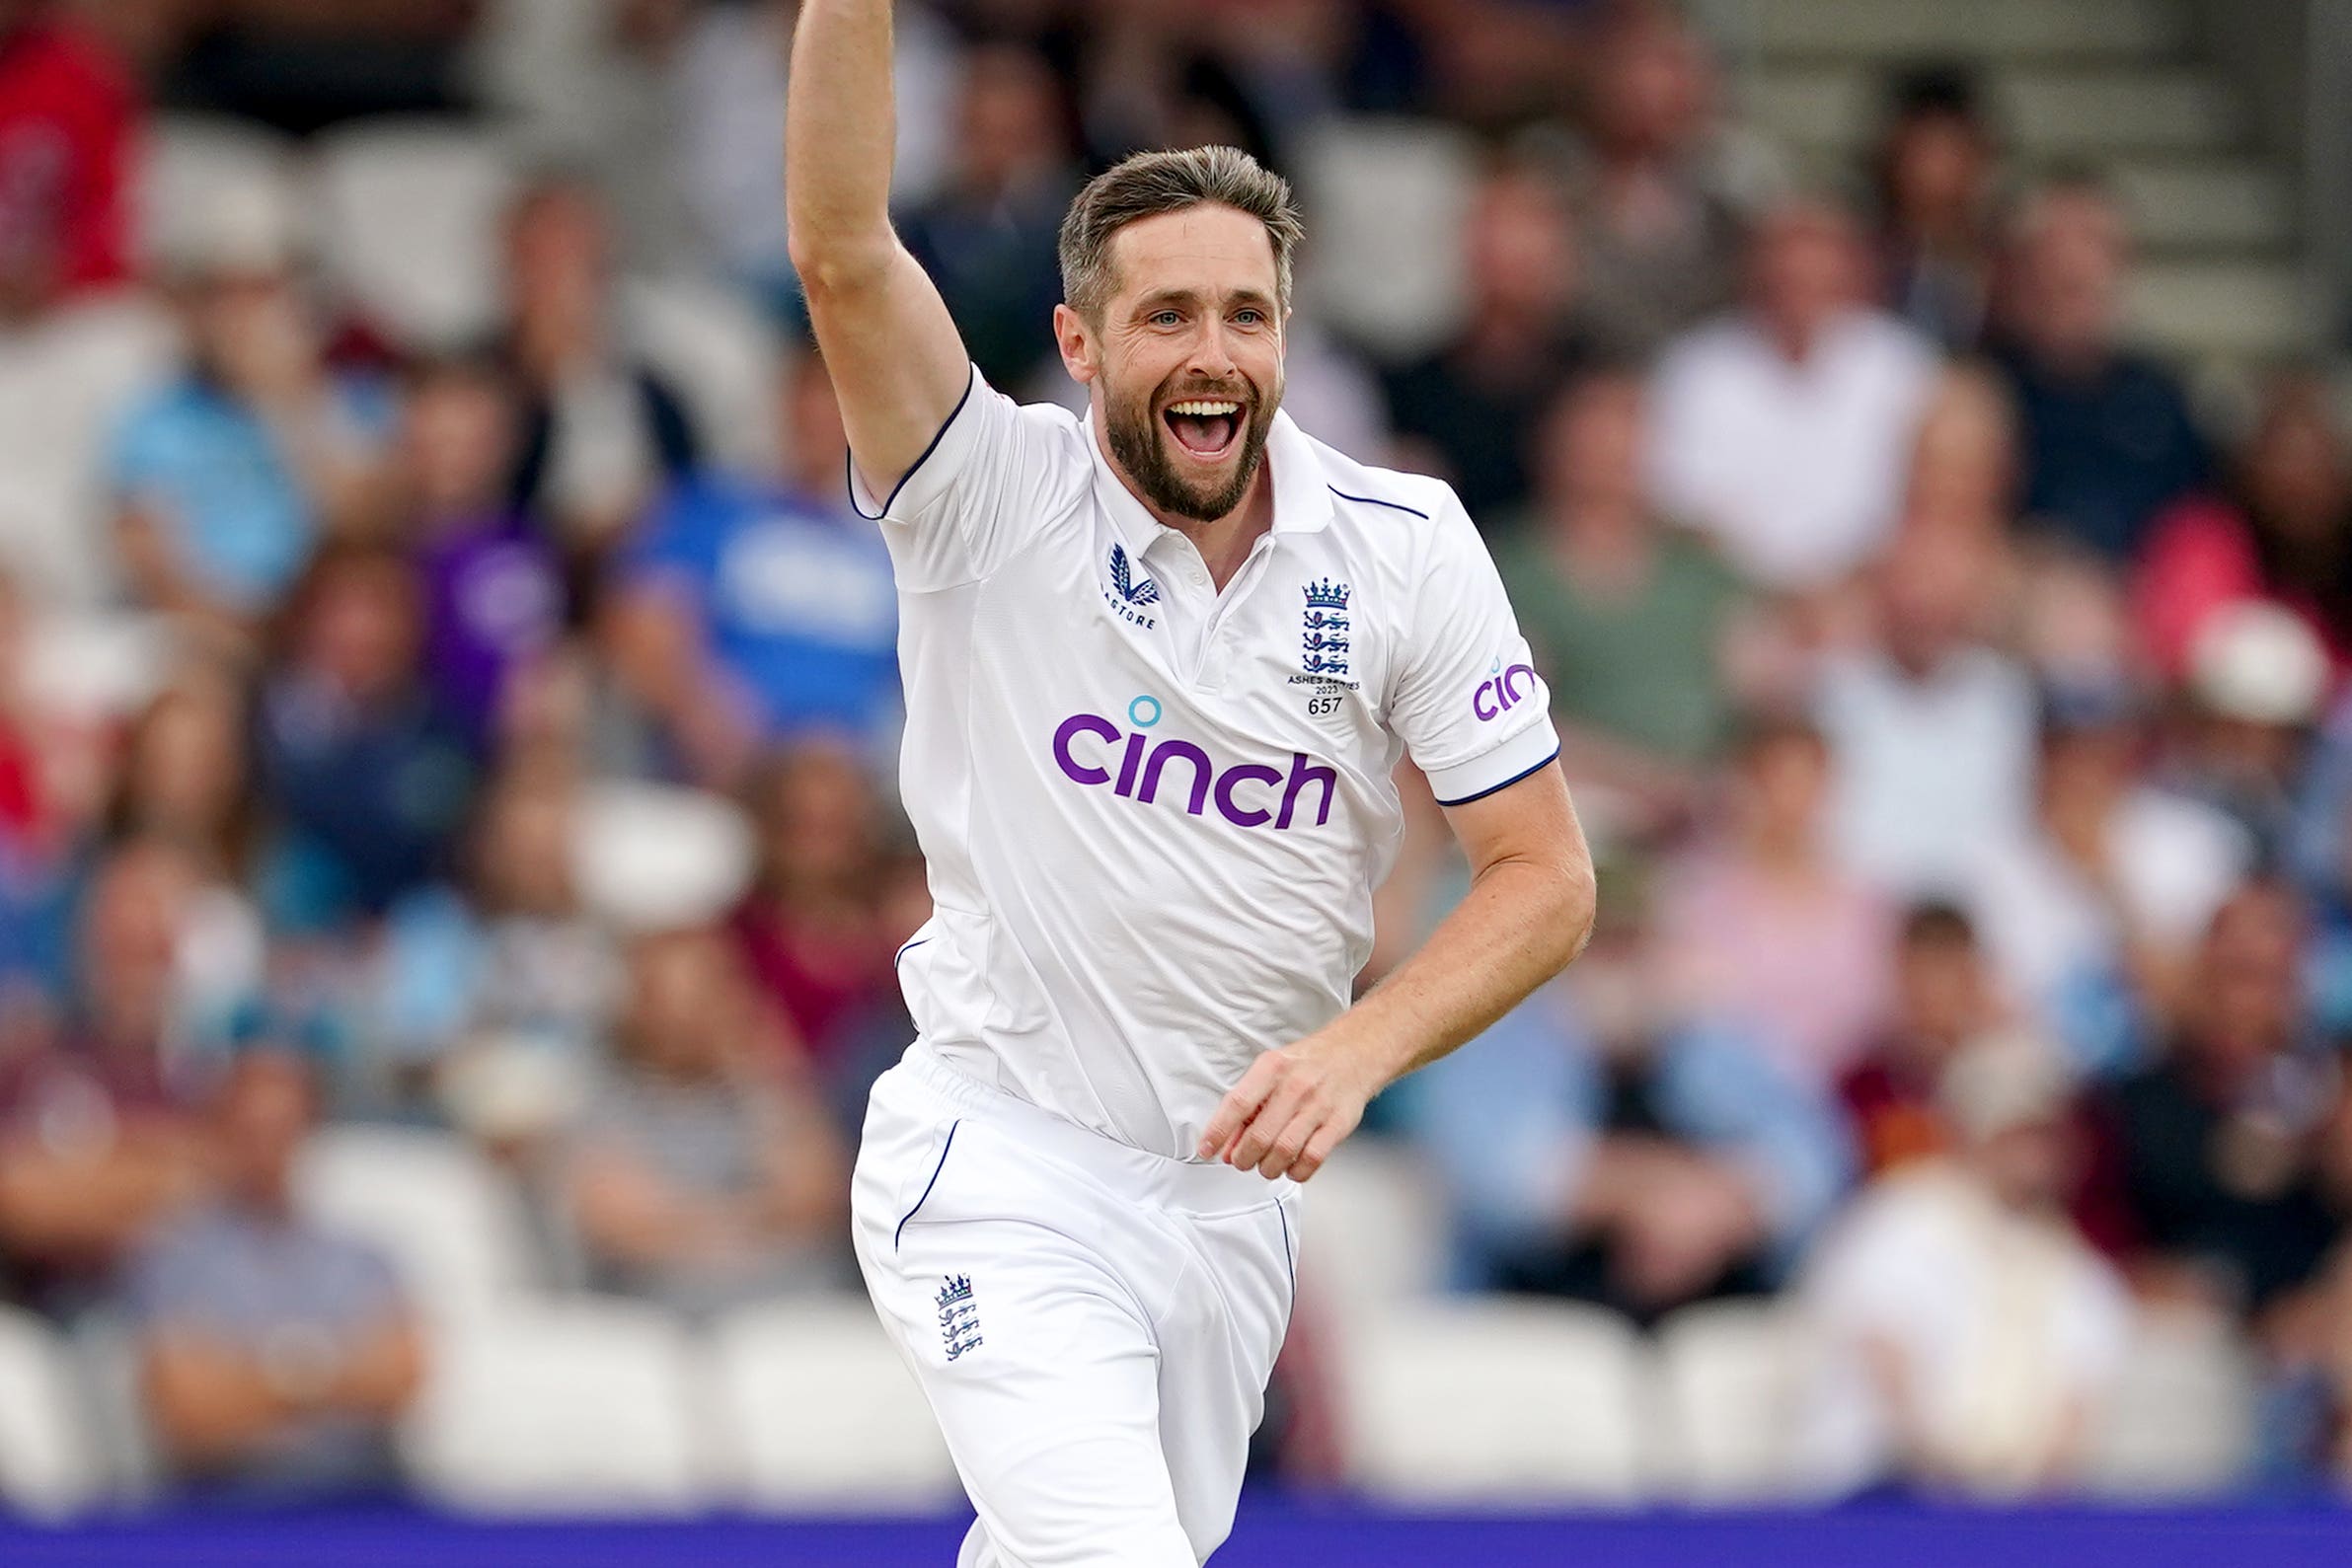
[449, 859]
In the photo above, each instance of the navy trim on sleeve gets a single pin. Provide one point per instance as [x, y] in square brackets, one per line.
[970, 377]
[908, 948]
[1374, 501]
[1507, 783]
[928, 1185]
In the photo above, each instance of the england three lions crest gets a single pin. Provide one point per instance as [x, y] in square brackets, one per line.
[1324, 639]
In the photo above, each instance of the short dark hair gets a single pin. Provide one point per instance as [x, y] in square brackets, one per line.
[1935, 923]
[1149, 183]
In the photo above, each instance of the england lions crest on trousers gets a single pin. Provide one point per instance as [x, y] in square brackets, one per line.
[960, 1317]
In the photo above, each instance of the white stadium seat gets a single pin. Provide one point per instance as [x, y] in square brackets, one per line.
[1372, 1232]
[47, 1466]
[1385, 201]
[205, 182]
[2180, 1420]
[408, 222]
[1729, 1376]
[1497, 1402]
[587, 1407]
[451, 1224]
[718, 354]
[820, 1413]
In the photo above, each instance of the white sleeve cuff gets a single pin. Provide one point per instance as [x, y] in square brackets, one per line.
[1498, 767]
[932, 473]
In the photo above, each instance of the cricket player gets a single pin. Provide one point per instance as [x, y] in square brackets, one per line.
[1161, 661]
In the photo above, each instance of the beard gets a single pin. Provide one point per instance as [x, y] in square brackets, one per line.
[1141, 441]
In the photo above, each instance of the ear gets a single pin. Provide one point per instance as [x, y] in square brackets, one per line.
[1082, 351]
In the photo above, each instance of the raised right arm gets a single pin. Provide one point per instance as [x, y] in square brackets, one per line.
[899, 367]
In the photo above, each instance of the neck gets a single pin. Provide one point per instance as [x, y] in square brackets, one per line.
[1224, 542]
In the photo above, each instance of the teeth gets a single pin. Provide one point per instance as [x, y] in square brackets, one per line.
[1204, 408]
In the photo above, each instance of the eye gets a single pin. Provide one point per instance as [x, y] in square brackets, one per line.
[1167, 318]
[1249, 316]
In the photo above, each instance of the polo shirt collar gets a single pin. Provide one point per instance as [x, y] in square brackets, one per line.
[1302, 493]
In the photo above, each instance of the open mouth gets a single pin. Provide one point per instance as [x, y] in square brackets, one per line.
[1205, 427]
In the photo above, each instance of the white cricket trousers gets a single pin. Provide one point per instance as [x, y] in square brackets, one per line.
[1094, 1324]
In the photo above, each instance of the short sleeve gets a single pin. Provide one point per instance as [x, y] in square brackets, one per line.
[1467, 700]
[983, 488]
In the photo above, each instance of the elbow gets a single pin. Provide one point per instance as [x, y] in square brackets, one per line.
[829, 266]
[1577, 905]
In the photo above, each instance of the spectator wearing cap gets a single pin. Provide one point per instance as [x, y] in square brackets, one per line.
[2110, 439]
[1930, 727]
[1943, 998]
[276, 1357]
[755, 612]
[1629, 619]
[2280, 530]
[1596, 1146]
[1969, 1337]
[707, 1174]
[227, 478]
[1933, 172]
[2095, 910]
[1784, 430]
[1470, 411]
[2204, 1179]
[2256, 689]
[1764, 924]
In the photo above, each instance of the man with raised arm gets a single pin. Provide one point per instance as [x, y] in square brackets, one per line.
[1161, 663]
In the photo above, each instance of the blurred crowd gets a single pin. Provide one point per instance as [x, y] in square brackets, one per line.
[474, 734]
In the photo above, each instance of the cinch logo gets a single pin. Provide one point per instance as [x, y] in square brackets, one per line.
[1144, 767]
[1499, 696]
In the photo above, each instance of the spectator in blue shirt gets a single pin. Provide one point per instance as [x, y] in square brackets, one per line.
[226, 477]
[2108, 438]
[1597, 1150]
[757, 611]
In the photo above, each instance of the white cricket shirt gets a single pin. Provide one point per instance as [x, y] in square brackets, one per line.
[1155, 814]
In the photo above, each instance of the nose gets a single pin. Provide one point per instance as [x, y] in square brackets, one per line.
[1212, 352]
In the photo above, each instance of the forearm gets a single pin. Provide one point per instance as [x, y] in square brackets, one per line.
[838, 145]
[1522, 922]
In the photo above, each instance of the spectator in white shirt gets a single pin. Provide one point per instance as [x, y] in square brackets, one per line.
[1785, 430]
[1931, 728]
[1967, 1336]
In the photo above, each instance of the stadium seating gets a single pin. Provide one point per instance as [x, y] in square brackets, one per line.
[815, 1412]
[585, 1407]
[48, 1466]
[408, 215]
[1388, 198]
[1373, 1233]
[199, 173]
[452, 1226]
[2181, 1420]
[1497, 1401]
[1727, 1384]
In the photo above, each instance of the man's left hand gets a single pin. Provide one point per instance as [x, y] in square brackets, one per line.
[1290, 1111]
